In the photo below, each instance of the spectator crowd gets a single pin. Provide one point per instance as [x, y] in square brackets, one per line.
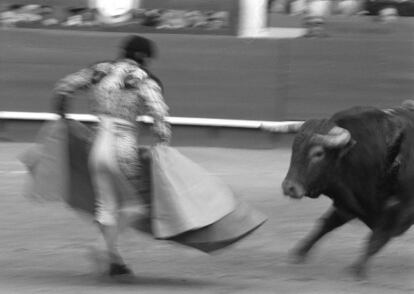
[46, 15]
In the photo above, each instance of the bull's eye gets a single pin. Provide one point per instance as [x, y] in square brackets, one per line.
[316, 153]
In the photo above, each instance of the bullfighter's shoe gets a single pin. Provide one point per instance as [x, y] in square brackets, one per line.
[120, 271]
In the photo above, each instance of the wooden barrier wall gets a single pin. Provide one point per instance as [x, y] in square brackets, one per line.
[221, 77]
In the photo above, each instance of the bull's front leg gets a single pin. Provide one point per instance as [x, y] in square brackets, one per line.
[388, 226]
[333, 219]
[377, 240]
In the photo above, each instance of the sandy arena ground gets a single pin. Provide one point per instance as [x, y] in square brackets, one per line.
[44, 245]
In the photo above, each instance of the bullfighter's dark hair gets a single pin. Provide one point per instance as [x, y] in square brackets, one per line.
[138, 48]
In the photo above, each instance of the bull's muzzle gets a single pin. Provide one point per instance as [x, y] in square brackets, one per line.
[293, 189]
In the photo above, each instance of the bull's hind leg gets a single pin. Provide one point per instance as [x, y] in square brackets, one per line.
[333, 219]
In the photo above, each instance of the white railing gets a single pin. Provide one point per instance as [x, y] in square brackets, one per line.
[183, 121]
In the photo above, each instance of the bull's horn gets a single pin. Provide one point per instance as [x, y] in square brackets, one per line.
[290, 127]
[336, 138]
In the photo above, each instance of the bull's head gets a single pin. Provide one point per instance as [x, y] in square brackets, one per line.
[315, 152]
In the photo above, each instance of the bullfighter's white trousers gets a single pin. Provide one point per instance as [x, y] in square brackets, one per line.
[115, 168]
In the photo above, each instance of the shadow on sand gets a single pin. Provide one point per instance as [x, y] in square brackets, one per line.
[53, 278]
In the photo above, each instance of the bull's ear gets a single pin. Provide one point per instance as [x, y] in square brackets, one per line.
[344, 150]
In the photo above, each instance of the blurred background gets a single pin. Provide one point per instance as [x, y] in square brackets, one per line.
[261, 60]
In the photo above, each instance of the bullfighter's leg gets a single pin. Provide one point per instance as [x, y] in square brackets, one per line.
[110, 221]
[333, 219]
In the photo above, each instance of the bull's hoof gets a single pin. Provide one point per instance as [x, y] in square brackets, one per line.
[298, 256]
[358, 271]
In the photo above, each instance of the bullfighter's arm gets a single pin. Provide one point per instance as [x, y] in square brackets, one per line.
[65, 87]
[79, 80]
[151, 91]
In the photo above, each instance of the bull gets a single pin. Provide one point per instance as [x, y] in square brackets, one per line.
[363, 160]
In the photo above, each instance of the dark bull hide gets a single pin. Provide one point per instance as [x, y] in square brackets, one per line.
[362, 159]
